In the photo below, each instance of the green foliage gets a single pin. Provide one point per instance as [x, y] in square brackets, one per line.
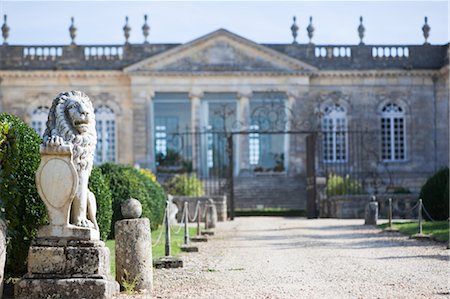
[434, 195]
[99, 185]
[126, 182]
[339, 185]
[438, 230]
[185, 185]
[20, 203]
[128, 283]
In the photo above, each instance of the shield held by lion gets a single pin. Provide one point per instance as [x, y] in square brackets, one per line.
[67, 156]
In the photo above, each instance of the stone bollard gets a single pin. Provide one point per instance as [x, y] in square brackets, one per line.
[210, 218]
[134, 248]
[371, 215]
[211, 214]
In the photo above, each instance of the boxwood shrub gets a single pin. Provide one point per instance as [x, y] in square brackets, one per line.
[99, 185]
[126, 182]
[434, 195]
[21, 206]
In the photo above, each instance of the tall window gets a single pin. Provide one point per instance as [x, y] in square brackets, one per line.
[334, 130]
[392, 133]
[165, 128]
[106, 135]
[39, 119]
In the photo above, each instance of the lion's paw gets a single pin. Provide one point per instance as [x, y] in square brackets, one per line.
[55, 141]
[84, 223]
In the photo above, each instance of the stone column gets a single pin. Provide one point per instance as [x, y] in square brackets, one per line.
[242, 144]
[290, 121]
[196, 128]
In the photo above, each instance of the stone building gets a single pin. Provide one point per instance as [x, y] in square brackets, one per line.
[378, 109]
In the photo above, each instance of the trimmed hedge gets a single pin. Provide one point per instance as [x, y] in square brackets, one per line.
[126, 182]
[20, 203]
[434, 195]
[185, 185]
[99, 185]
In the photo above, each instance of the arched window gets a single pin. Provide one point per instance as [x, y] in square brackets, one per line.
[106, 135]
[392, 133]
[39, 119]
[334, 133]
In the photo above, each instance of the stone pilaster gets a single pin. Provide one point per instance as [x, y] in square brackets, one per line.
[242, 145]
[150, 132]
[143, 128]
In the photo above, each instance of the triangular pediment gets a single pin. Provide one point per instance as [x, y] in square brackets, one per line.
[220, 51]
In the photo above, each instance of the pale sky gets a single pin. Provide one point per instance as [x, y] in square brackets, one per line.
[335, 22]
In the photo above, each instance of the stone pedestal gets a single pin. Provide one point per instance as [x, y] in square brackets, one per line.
[199, 239]
[188, 248]
[61, 268]
[168, 262]
[371, 215]
[207, 232]
[134, 253]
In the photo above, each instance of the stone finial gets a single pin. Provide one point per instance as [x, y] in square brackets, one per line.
[5, 30]
[145, 29]
[131, 208]
[294, 30]
[126, 31]
[361, 31]
[426, 31]
[310, 29]
[72, 31]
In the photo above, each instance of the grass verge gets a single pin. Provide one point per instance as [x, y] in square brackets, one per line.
[437, 230]
[157, 251]
[270, 212]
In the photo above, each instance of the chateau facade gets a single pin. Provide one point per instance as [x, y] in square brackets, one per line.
[145, 92]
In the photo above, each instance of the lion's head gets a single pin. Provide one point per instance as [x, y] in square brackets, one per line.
[72, 118]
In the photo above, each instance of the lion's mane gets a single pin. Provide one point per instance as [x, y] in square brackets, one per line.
[59, 124]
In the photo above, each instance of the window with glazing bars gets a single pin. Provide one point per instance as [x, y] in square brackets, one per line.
[392, 133]
[334, 134]
[106, 135]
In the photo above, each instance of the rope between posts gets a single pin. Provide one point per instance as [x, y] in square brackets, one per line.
[196, 212]
[180, 226]
[410, 209]
[428, 214]
[161, 232]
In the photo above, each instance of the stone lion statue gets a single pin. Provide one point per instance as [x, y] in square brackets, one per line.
[71, 120]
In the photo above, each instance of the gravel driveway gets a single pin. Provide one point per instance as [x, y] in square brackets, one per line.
[274, 257]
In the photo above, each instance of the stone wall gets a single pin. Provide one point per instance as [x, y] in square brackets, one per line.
[270, 191]
[353, 206]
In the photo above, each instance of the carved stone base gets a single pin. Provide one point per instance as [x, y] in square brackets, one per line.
[199, 239]
[67, 269]
[68, 232]
[207, 232]
[66, 288]
[188, 248]
[168, 262]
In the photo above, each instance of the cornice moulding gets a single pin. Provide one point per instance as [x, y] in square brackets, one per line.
[56, 74]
